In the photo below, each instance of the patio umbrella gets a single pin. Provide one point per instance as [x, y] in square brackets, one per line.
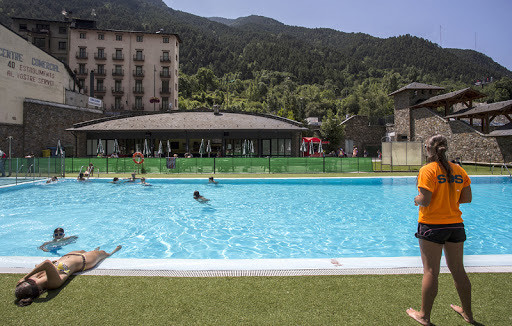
[168, 148]
[320, 149]
[201, 148]
[311, 148]
[208, 148]
[146, 151]
[244, 145]
[116, 147]
[251, 147]
[59, 149]
[100, 148]
[303, 147]
[160, 151]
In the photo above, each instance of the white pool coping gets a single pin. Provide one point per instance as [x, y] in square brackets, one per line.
[265, 267]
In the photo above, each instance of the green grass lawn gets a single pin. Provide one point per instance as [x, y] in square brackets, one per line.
[304, 300]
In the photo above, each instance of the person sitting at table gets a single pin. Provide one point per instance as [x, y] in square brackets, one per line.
[50, 275]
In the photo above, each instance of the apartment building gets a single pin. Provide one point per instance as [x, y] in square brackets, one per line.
[128, 70]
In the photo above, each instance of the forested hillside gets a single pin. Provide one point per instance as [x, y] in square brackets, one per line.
[260, 64]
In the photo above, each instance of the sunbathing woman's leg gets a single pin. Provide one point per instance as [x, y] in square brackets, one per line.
[92, 258]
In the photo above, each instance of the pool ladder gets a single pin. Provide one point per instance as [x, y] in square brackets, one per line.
[504, 165]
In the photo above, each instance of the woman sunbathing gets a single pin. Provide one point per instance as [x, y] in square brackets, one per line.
[50, 275]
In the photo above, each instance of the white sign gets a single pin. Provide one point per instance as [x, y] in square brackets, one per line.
[95, 102]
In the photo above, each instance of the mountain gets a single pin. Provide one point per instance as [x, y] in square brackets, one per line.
[254, 43]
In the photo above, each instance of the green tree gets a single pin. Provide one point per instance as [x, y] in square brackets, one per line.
[332, 130]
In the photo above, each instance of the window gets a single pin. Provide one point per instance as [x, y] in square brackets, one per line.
[165, 86]
[119, 37]
[101, 69]
[101, 36]
[139, 71]
[62, 45]
[43, 27]
[165, 72]
[165, 103]
[166, 40]
[82, 52]
[138, 86]
[23, 27]
[118, 86]
[138, 102]
[118, 103]
[82, 35]
[81, 68]
[165, 56]
[63, 30]
[118, 70]
[119, 53]
[39, 42]
[101, 53]
[139, 38]
[139, 55]
[99, 85]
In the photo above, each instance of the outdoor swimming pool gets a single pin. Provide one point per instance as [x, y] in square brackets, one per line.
[245, 219]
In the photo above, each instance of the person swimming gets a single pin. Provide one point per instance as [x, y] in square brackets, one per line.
[200, 198]
[59, 240]
[211, 180]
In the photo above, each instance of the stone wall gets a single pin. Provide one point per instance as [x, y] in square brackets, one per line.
[357, 128]
[45, 124]
[464, 142]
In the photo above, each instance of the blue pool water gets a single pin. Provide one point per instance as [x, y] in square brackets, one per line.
[245, 219]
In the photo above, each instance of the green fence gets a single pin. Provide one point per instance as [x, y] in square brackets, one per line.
[223, 165]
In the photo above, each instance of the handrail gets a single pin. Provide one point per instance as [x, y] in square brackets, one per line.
[504, 165]
[17, 171]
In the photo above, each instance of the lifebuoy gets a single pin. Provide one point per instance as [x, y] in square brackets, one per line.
[138, 155]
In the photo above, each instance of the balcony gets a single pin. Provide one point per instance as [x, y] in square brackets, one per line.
[100, 90]
[138, 90]
[82, 55]
[100, 56]
[165, 59]
[166, 90]
[138, 57]
[165, 74]
[118, 56]
[138, 73]
[117, 72]
[117, 90]
[117, 108]
[136, 107]
[100, 73]
[82, 72]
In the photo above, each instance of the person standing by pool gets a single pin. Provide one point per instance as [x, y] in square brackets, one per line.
[442, 186]
[50, 275]
[3, 158]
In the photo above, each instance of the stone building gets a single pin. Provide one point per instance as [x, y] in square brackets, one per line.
[361, 133]
[128, 70]
[420, 113]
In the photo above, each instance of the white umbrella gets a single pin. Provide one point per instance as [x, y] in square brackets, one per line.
[168, 148]
[251, 147]
[100, 148]
[320, 149]
[244, 145]
[208, 148]
[59, 149]
[116, 147]
[160, 151]
[201, 148]
[311, 148]
[146, 152]
[303, 147]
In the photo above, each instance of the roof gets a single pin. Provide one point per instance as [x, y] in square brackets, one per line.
[190, 120]
[498, 108]
[127, 31]
[506, 130]
[415, 86]
[451, 98]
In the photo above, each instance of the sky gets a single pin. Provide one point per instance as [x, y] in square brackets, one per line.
[464, 24]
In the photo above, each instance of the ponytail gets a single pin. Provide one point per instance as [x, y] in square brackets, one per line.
[436, 150]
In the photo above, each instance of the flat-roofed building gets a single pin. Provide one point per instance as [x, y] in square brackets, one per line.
[129, 70]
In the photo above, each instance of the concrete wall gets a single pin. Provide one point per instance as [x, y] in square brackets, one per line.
[27, 71]
[357, 128]
[463, 140]
[46, 124]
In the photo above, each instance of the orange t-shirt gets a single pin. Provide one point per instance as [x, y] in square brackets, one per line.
[444, 206]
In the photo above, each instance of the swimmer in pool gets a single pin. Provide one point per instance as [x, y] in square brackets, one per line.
[144, 183]
[211, 180]
[50, 275]
[59, 240]
[200, 198]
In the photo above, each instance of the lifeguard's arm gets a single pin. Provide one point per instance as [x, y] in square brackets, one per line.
[424, 197]
[466, 196]
[51, 272]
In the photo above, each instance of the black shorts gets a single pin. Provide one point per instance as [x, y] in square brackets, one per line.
[441, 233]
